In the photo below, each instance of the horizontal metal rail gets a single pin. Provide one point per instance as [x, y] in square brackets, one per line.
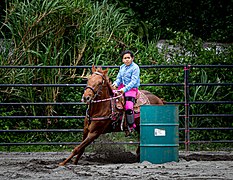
[61, 143]
[211, 102]
[42, 85]
[79, 117]
[211, 141]
[43, 103]
[81, 130]
[208, 128]
[42, 117]
[210, 84]
[109, 143]
[141, 66]
[84, 67]
[84, 85]
[41, 130]
[81, 103]
[208, 115]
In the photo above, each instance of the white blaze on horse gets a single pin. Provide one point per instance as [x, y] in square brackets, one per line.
[105, 111]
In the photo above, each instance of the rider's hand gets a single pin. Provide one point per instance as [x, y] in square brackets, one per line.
[121, 90]
[114, 86]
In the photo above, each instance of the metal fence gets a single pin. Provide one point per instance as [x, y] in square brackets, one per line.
[186, 84]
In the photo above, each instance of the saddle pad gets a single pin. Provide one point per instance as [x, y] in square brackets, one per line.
[141, 100]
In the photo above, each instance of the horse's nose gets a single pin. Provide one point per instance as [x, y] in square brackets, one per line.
[86, 99]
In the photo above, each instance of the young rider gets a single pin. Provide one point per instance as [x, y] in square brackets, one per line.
[128, 81]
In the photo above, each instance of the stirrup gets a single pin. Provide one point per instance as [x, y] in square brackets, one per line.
[132, 128]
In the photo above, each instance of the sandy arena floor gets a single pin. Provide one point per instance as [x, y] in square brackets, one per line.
[122, 165]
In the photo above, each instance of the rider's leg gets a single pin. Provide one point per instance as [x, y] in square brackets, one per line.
[129, 103]
[130, 117]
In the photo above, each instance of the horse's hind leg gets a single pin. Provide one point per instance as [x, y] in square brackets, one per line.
[138, 148]
[138, 154]
[78, 156]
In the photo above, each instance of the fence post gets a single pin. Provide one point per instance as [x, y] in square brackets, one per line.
[186, 96]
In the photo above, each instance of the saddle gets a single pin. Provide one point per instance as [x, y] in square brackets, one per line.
[141, 99]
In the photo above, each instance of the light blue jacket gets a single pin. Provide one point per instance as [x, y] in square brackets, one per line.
[129, 76]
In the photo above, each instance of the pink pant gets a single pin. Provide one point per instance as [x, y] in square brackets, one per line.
[131, 93]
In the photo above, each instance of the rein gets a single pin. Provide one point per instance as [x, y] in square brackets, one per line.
[107, 99]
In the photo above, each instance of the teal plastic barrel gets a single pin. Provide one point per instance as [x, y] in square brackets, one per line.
[159, 133]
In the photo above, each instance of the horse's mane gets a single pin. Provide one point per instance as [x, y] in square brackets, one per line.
[108, 83]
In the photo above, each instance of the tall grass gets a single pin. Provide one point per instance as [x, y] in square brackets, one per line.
[49, 33]
[57, 33]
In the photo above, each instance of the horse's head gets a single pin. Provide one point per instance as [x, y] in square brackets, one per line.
[95, 84]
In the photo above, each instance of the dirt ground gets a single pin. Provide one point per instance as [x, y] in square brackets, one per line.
[121, 165]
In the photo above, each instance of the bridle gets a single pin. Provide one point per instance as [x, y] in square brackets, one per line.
[96, 93]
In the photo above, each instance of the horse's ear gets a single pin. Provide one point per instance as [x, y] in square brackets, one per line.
[93, 69]
[105, 71]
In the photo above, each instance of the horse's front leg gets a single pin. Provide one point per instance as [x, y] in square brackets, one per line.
[85, 134]
[80, 149]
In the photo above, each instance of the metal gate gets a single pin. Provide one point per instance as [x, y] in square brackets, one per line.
[186, 84]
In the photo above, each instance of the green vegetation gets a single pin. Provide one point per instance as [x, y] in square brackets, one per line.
[80, 32]
[206, 19]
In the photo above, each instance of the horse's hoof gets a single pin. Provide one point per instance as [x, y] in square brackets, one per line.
[127, 133]
[75, 162]
[62, 164]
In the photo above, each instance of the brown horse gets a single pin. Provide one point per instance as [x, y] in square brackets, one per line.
[102, 111]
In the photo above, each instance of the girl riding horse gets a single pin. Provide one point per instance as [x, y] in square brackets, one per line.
[100, 114]
[128, 81]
